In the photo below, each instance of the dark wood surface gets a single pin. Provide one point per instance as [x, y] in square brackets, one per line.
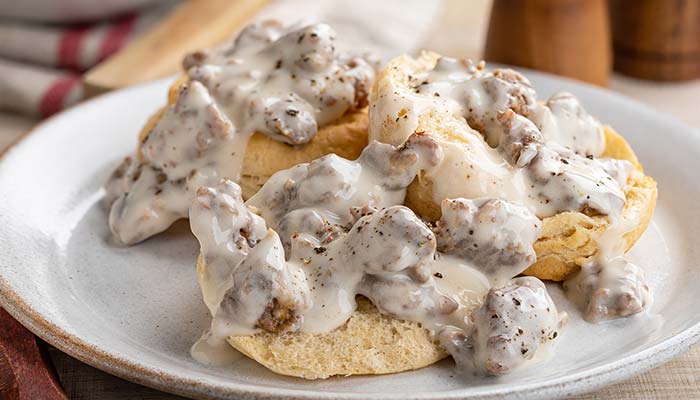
[657, 39]
[83, 382]
[564, 37]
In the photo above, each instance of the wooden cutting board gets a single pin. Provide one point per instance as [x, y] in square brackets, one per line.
[195, 24]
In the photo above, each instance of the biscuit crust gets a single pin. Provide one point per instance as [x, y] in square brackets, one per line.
[368, 343]
[373, 343]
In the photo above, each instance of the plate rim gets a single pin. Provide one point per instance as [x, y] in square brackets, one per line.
[157, 378]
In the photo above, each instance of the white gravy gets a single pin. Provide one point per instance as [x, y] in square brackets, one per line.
[501, 143]
[515, 325]
[344, 233]
[609, 286]
[294, 257]
[283, 82]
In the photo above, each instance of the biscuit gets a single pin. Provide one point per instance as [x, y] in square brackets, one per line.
[568, 239]
[373, 343]
[368, 343]
[264, 156]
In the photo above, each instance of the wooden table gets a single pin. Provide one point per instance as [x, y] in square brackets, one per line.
[459, 31]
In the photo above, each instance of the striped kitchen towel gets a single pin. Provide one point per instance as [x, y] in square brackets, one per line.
[41, 64]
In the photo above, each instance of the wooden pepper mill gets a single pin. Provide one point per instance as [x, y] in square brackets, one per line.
[564, 37]
[657, 39]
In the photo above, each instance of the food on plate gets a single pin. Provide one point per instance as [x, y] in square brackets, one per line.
[274, 97]
[475, 183]
[343, 234]
[333, 242]
[491, 125]
[368, 343]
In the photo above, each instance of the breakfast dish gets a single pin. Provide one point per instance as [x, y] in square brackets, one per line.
[231, 119]
[135, 311]
[410, 96]
[332, 243]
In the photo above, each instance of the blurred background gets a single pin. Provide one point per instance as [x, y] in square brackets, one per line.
[57, 53]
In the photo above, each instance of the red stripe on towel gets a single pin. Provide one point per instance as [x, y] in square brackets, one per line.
[116, 36]
[70, 46]
[54, 97]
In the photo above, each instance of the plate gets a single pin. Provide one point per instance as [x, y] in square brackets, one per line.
[134, 312]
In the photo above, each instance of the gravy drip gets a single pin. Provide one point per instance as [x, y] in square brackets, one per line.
[191, 145]
[609, 286]
[283, 82]
[515, 325]
[343, 233]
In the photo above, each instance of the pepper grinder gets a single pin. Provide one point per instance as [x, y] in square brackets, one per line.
[564, 37]
[657, 39]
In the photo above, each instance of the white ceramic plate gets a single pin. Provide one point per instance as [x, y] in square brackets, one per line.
[134, 312]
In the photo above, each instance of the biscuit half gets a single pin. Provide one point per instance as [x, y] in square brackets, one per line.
[346, 137]
[568, 239]
[373, 343]
[368, 343]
